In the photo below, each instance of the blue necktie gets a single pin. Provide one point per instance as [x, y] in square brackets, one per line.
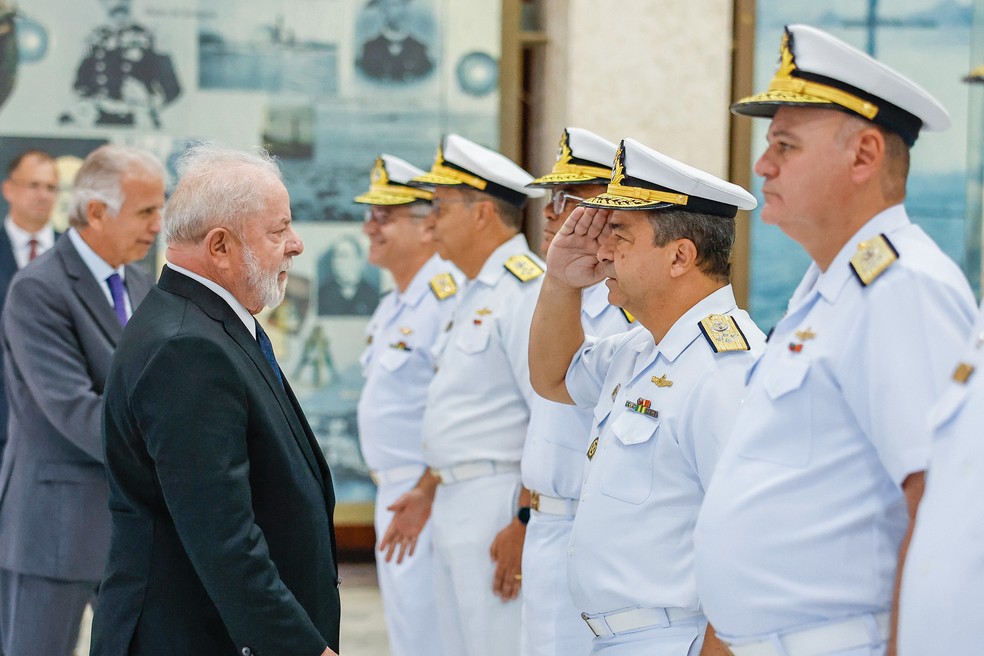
[267, 348]
[119, 301]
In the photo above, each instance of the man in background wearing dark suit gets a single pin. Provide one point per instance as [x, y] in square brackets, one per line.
[64, 316]
[30, 190]
[221, 500]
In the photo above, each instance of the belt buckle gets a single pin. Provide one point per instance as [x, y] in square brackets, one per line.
[535, 505]
[375, 478]
[436, 473]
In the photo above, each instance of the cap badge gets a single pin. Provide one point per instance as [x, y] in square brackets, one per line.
[443, 286]
[723, 334]
[618, 171]
[662, 381]
[593, 448]
[564, 154]
[523, 267]
[378, 175]
[642, 406]
[874, 256]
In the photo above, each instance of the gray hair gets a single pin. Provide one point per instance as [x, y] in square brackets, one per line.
[101, 179]
[713, 236]
[217, 187]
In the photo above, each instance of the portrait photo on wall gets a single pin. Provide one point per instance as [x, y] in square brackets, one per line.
[347, 284]
[397, 40]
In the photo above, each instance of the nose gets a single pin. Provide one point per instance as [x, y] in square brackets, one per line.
[764, 166]
[155, 224]
[369, 226]
[605, 253]
[294, 244]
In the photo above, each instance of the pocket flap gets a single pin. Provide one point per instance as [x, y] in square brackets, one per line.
[392, 359]
[70, 472]
[635, 428]
[788, 377]
[474, 340]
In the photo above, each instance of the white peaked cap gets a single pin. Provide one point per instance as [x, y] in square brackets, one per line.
[388, 183]
[460, 161]
[582, 158]
[646, 179]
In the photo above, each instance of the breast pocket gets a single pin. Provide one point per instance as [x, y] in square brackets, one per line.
[474, 339]
[628, 473]
[392, 359]
[789, 439]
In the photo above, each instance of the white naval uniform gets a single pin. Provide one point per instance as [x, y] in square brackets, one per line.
[398, 364]
[553, 465]
[802, 524]
[941, 610]
[477, 412]
[631, 546]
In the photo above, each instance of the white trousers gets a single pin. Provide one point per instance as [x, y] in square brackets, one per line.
[467, 516]
[407, 589]
[552, 626]
[682, 639]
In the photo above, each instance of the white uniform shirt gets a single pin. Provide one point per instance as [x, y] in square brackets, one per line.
[478, 402]
[559, 434]
[805, 515]
[940, 610]
[398, 364]
[631, 545]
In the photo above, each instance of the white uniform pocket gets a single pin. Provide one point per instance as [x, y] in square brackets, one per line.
[474, 339]
[392, 359]
[628, 459]
[791, 401]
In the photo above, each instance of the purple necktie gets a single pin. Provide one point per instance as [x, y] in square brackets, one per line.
[119, 302]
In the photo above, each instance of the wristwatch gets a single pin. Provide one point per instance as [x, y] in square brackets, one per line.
[523, 515]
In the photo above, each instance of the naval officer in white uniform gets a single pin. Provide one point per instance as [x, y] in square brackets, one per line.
[479, 400]
[664, 394]
[807, 516]
[553, 456]
[398, 364]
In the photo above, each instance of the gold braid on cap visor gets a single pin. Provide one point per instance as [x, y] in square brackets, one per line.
[460, 176]
[824, 92]
[580, 169]
[401, 190]
[648, 195]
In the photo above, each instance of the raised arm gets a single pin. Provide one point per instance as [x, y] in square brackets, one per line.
[556, 333]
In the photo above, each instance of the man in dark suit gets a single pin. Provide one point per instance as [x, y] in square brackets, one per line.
[63, 319]
[394, 54]
[223, 541]
[30, 190]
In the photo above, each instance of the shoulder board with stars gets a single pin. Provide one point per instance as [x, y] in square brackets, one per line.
[523, 267]
[874, 256]
[628, 315]
[723, 334]
[443, 286]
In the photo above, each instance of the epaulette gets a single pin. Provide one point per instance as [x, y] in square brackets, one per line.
[723, 334]
[874, 256]
[523, 267]
[628, 315]
[443, 286]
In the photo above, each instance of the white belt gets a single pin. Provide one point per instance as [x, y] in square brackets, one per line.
[396, 474]
[552, 505]
[475, 469]
[825, 639]
[610, 624]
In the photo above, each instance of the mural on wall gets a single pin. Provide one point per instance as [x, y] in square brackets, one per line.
[899, 34]
[325, 85]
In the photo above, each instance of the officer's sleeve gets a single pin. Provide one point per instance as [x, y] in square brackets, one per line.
[195, 431]
[589, 368]
[904, 349]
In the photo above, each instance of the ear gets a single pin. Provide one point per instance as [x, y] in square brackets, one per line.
[219, 247]
[5, 189]
[96, 212]
[869, 154]
[684, 257]
[483, 213]
[425, 229]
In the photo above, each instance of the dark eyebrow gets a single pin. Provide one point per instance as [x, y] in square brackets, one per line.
[615, 225]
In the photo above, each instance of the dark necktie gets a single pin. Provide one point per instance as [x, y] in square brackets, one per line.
[34, 249]
[267, 348]
[119, 302]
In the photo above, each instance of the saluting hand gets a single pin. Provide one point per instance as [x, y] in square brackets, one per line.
[572, 258]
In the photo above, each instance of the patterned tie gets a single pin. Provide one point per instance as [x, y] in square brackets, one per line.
[119, 303]
[34, 249]
[267, 348]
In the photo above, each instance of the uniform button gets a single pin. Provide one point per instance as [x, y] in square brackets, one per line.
[570, 551]
[246, 652]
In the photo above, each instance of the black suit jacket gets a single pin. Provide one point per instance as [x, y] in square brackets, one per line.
[220, 498]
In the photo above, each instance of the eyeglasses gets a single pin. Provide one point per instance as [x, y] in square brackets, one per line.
[381, 215]
[561, 198]
[36, 186]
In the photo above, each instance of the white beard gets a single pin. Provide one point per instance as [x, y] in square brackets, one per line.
[270, 289]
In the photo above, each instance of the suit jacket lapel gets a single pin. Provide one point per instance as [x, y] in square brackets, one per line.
[8, 262]
[88, 290]
[218, 309]
[137, 285]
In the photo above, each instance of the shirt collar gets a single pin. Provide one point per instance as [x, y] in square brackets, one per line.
[20, 238]
[99, 267]
[248, 320]
[494, 267]
[831, 282]
[686, 329]
[594, 300]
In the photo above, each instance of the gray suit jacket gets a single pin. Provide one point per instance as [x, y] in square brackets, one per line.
[58, 333]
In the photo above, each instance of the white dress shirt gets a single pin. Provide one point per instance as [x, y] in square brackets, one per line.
[100, 269]
[20, 241]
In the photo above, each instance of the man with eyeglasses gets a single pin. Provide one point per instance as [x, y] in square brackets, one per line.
[30, 190]
[479, 399]
[558, 435]
[398, 363]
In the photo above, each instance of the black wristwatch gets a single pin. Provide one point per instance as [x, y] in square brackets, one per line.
[523, 515]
